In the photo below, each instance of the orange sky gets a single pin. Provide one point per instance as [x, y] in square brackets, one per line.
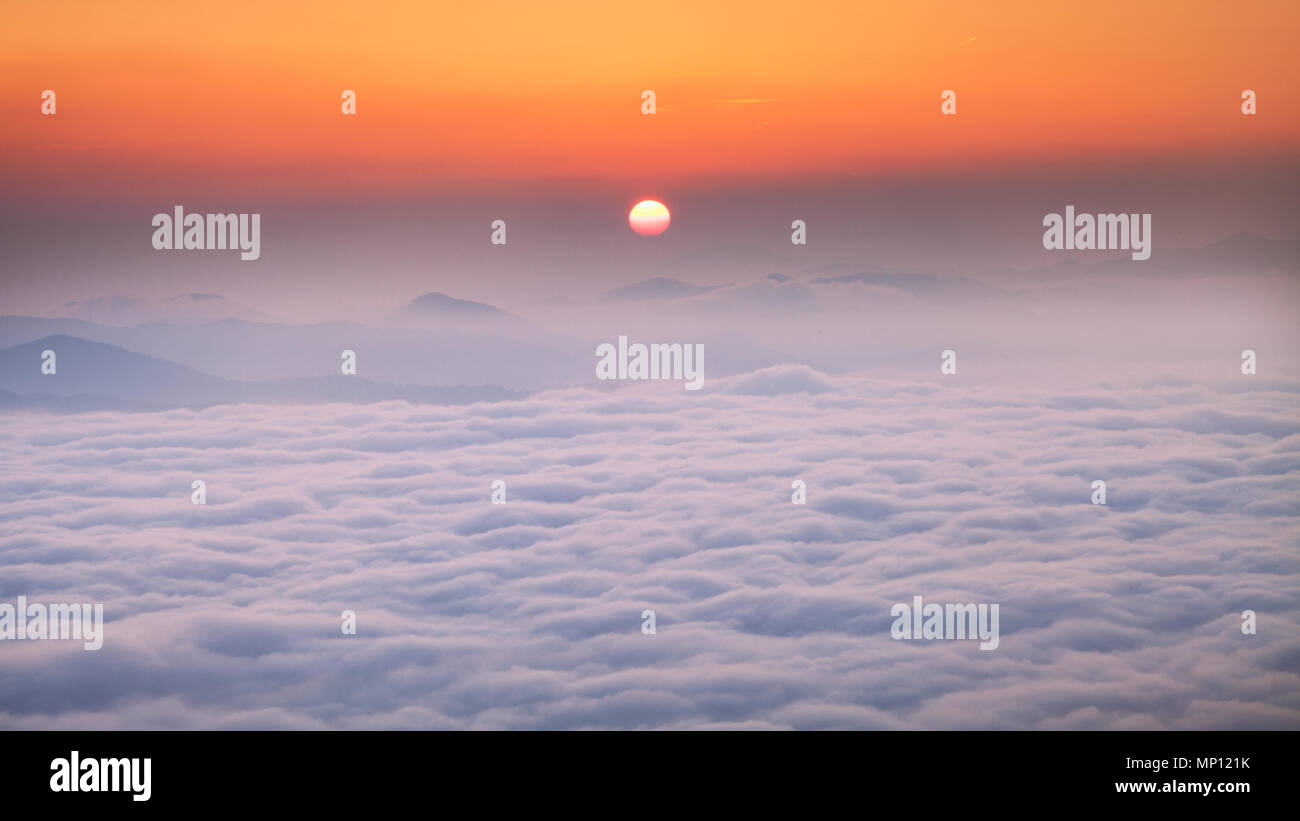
[246, 93]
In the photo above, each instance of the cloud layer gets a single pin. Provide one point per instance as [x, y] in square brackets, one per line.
[770, 614]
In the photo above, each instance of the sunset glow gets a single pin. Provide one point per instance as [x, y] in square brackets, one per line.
[251, 90]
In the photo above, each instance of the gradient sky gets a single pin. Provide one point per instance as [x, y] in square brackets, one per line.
[152, 90]
[472, 111]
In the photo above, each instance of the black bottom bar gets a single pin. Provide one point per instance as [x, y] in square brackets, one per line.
[611, 773]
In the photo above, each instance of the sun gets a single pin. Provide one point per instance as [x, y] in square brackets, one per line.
[648, 218]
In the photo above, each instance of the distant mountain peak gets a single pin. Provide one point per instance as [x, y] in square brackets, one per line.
[196, 298]
[657, 288]
[436, 302]
[129, 310]
[438, 309]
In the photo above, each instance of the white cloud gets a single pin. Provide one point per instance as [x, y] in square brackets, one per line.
[769, 614]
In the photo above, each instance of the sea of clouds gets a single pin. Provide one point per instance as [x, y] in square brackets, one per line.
[770, 614]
